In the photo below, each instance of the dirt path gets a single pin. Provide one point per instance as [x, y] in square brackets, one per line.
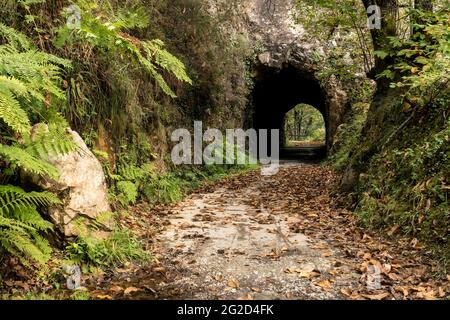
[231, 246]
[279, 237]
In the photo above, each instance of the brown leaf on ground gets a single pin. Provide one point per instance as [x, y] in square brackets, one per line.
[116, 289]
[379, 296]
[324, 284]
[233, 283]
[131, 290]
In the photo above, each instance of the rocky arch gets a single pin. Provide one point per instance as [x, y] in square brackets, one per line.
[279, 87]
[285, 71]
[277, 91]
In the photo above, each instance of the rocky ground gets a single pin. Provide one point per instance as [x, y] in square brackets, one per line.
[271, 237]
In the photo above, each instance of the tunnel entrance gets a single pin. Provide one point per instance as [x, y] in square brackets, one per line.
[278, 91]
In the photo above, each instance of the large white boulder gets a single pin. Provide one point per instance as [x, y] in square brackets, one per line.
[81, 186]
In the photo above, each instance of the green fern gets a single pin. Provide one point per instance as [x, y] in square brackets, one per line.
[20, 158]
[11, 112]
[14, 198]
[51, 140]
[11, 35]
[128, 192]
[108, 34]
[20, 223]
[29, 93]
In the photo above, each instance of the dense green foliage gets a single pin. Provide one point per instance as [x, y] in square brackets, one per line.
[33, 91]
[29, 93]
[108, 33]
[305, 123]
[400, 155]
[120, 247]
[348, 135]
[422, 61]
[406, 183]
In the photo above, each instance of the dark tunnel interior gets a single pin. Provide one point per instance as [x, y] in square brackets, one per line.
[277, 91]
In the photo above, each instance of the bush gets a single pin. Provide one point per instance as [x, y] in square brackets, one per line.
[119, 248]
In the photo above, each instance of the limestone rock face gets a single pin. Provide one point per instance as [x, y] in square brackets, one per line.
[81, 186]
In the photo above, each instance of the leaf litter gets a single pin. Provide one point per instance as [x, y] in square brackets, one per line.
[286, 236]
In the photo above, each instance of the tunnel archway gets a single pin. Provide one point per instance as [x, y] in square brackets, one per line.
[277, 91]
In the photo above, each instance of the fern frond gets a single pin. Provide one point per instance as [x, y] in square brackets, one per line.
[109, 36]
[12, 113]
[166, 60]
[20, 223]
[26, 161]
[15, 198]
[15, 38]
[14, 85]
[29, 89]
[50, 141]
[23, 245]
[38, 71]
[131, 18]
[30, 217]
[42, 244]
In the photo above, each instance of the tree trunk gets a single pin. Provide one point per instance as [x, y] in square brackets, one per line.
[424, 5]
[389, 16]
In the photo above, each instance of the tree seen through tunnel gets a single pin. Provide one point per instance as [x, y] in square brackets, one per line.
[304, 126]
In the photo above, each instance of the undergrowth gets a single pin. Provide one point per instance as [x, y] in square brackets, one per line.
[115, 250]
[348, 135]
[406, 185]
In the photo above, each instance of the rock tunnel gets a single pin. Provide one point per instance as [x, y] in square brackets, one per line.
[278, 90]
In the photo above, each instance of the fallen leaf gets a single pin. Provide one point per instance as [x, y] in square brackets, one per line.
[404, 290]
[218, 278]
[427, 295]
[393, 230]
[324, 284]
[379, 296]
[305, 271]
[116, 289]
[352, 295]
[327, 254]
[335, 272]
[233, 283]
[130, 290]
